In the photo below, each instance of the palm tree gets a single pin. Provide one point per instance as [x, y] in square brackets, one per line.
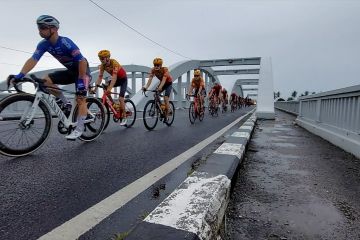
[294, 94]
[306, 93]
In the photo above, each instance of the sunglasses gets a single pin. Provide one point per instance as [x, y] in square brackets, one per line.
[157, 65]
[103, 58]
[43, 27]
[196, 75]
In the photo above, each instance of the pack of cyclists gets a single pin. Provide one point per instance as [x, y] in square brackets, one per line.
[77, 72]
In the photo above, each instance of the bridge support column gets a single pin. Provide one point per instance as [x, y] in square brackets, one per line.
[179, 97]
[133, 83]
[265, 99]
[207, 88]
[142, 79]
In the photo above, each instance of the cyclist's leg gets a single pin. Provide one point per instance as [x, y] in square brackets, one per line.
[82, 105]
[167, 87]
[123, 86]
[63, 77]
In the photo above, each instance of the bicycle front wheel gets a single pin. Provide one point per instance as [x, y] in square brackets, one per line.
[17, 138]
[171, 114]
[150, 115]
[95, 120]
[130, 111]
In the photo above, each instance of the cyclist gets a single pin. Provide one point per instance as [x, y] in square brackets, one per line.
[118, 78]
[224, 96]
[69, 55]
[215, 92]
[163, 74]
[198, 84]
[233, 99]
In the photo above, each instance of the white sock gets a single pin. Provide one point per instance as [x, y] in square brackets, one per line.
[63, 98]
[80, 123]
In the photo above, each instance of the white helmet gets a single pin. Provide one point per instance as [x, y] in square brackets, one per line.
[47, 20]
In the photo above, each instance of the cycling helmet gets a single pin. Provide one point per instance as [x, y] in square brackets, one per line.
[48, 21]
[158, 61]
[104, 54]
[197, 72]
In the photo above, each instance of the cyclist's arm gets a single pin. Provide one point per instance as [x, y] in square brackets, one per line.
[82, 68]
[113, 78]
[28, 66]
[148, 82]
[190, 89]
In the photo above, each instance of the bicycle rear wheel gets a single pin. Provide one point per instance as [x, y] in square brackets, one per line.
[150, 115]
[130, 110]
[96, 118]
[16, 138]
[192, 113]
[171, 114]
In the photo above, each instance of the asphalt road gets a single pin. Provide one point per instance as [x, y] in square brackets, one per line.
[62, 179]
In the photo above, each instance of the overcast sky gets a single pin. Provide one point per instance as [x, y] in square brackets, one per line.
[314, 44]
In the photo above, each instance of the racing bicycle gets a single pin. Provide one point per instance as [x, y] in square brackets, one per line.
[155, 109]
[26, 119]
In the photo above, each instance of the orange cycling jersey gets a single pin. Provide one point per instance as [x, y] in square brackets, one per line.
[160, 74]
[112, 68]
[197, 83]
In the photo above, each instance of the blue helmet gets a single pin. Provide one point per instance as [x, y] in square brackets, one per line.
[47, 20]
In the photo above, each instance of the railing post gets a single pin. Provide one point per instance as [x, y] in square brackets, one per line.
[300, 108]
[318, 110]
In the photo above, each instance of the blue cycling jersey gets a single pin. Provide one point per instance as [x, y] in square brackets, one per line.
[65, 51]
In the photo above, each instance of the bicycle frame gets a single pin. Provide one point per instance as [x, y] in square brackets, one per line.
[106, 99]
[51, 104]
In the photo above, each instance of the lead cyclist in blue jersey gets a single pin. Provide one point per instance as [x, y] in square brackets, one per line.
[69, 55]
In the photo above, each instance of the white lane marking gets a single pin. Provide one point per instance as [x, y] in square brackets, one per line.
[245, 127]
[241, 134]
[235, 149]
[188, 206]
[86, 220]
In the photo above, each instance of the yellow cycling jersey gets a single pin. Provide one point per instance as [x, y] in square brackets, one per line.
[112, 68]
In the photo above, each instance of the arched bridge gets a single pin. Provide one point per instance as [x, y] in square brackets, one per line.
[255, 71]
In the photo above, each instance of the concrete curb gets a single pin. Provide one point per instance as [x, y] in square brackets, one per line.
[195, 209]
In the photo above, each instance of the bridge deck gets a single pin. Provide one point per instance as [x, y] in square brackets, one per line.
[294, 185]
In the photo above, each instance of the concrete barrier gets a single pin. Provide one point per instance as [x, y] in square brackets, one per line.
[195, 209]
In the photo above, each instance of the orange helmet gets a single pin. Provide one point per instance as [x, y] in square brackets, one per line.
[104, 54]
[197, 72]
[158, 61]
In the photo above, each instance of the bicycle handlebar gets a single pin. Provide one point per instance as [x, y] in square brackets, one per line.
[154, 91]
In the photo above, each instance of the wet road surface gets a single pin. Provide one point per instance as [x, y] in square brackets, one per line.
[62, 179]
[294, 185]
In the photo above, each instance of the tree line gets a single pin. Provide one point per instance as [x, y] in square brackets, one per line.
[294, 95]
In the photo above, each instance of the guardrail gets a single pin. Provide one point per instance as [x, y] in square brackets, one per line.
[290, 107]
[334, 116]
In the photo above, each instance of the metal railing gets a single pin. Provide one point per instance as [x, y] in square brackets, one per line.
[290, 107]
[335, 116]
